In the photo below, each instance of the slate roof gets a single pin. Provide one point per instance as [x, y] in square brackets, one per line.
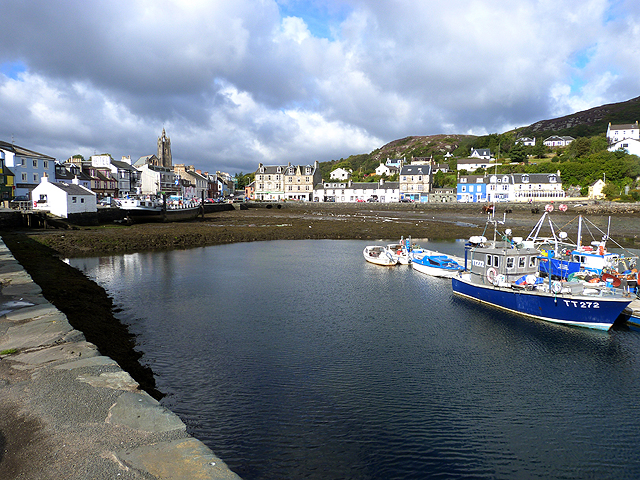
[23, 152]
[72, 188]
[536, 177]
[416, 170]
[124, 165]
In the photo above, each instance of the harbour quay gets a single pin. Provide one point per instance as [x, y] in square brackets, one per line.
[66, 411]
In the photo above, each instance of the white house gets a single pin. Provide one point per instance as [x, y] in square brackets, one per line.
[527, 141]
[483, 153]
[387, 170]
[385, 192]
[537, 187]
[615, 133]
[630, 145]
[557, 141]
[63, 199]
[500, 188]
[472, 164]
[340, 174]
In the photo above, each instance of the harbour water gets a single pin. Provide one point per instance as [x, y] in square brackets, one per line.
[299, 360]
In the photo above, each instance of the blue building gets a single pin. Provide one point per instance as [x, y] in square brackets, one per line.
[27, 166]
[471, 189]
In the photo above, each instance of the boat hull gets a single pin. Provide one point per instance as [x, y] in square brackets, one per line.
[434, 271]
[580, 311]
[379, 256]
[142, 215]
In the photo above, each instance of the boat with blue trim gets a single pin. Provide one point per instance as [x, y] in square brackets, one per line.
[435, 264]
[503, 272]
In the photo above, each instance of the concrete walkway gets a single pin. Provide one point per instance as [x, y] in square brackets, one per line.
[68, 412]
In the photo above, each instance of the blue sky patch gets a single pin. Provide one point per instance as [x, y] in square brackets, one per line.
[319, 16]
[12, 69]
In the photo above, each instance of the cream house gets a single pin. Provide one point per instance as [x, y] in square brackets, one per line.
[595, 190]
[415, 182]
[270, 182]
[299, 181]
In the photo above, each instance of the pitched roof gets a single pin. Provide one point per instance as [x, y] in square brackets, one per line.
[416, 170]
[72, 188]
[24, 152]
[123, 165]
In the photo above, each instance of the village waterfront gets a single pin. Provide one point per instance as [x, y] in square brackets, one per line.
[446, 374]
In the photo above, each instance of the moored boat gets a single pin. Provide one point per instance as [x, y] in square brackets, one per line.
[504, 273]
[565, 260]
[435, 264]
[379, 255]
[151, 209]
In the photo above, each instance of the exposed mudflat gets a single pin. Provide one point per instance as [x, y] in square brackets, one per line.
[334, 221]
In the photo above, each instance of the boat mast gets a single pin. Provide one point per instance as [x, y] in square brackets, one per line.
[579, 232]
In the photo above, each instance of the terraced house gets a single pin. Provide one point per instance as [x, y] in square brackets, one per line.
[27, 166]
[415, 182]
[299, 181]
[270, 182]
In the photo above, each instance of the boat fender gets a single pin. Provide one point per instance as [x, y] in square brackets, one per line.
[499, 279]
[556, 287]
[492, 273]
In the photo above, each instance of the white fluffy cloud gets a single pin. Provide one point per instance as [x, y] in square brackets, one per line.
[238, 83]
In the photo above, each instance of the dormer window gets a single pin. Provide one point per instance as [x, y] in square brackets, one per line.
[552, 179]
[525, 178]
[505, 179]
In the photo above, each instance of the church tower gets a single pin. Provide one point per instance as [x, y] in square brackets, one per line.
[164, 151]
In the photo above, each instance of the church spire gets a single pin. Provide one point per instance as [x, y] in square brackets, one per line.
[164, 150]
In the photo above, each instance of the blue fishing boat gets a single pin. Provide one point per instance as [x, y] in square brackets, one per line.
[504, 273]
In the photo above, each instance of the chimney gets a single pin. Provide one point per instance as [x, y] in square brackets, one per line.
[44, 179]
[75, 180]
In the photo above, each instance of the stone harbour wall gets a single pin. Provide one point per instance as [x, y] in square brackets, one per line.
[66, 411]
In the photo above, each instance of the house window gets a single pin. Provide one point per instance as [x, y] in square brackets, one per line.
[35, 177]
[35, 163]
[81, 200]
[24, 177]
[73, 199]
[43, 198]
[46, 163]
[463, 188]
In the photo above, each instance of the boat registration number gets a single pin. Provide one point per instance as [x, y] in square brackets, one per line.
[577, 304]
[478, 263]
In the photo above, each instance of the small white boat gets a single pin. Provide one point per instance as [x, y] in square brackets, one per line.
[435, 264]
[400, 252]
[379, 255]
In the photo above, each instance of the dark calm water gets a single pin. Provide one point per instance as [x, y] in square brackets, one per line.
[299, 360]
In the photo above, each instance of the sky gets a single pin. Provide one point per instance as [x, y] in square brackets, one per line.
[235, 83]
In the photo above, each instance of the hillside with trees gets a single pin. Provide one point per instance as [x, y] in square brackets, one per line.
[583, 162]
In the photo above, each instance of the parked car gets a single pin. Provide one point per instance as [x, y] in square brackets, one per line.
[20, 201]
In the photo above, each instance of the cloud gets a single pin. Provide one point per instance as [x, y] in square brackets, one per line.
[238, 83]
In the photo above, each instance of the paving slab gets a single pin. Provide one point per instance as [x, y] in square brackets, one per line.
[142, 412]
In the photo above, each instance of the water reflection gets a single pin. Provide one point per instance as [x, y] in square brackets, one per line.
[297, 359]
